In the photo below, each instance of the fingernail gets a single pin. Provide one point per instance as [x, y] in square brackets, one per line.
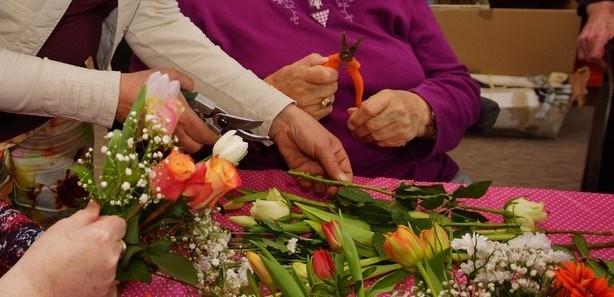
[343, 177]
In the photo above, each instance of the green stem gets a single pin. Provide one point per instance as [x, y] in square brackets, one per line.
[580, 232]
[370, 261]
[430, 279]
[299, 199]
[134, 212]
[594, 246]
[338, 183]
[496, 211]
[483, 225]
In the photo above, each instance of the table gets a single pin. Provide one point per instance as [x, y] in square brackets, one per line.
[566, 210]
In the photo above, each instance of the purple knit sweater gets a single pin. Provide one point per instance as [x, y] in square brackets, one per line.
[403, 48]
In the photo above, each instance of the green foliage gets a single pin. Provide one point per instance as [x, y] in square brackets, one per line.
[386, 284]
[176, 266]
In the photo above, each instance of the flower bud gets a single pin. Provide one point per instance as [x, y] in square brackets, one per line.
[230, 147]
[300, 269]
[269, 210]
[258, 267]
[243, 221]
[332, 234]
[404, 247]
[436, 240]
[323, 265]
[527, 213]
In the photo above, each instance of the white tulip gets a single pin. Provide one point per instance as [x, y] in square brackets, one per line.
[527, 213]
[269, 210]
[230, 147]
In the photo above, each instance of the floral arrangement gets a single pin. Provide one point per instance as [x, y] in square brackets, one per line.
[424, 241]
[166, 197]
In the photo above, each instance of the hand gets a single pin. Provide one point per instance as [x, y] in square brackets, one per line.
[192, 132]
[391, 118]
[308, 83]
[308, 147]
[599, 29]
[77, 256]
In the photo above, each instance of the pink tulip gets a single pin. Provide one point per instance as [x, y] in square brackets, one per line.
[163, 101]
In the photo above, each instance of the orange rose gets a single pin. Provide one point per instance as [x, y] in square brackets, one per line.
[170, 176]
[221, 176]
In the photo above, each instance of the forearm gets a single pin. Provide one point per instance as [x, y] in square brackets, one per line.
[43, 87]
[161, 37]
[585, 5]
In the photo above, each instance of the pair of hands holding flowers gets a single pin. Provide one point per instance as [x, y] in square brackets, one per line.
[390, 118]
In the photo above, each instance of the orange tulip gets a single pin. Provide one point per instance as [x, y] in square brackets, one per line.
[323, 265]
[170, 176]
[436, 240]
[220, 178]
[404, 247]
[257, 265]
[577, 280]
[332, 234]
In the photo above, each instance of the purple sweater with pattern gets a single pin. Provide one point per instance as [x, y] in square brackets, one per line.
[403, 48]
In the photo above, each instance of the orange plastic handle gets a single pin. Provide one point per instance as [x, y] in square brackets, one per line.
[354, 70]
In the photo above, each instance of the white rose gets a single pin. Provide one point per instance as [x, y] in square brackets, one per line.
[527, 213]
[230, 147]
[244, 221]
[269, 210]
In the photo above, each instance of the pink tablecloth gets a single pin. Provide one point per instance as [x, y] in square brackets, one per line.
[566, 210]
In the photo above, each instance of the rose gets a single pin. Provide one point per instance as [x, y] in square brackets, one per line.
[219, 178]
[230, 147]
[163, 101]
[269, 210]
[170, 177]
[526, 213]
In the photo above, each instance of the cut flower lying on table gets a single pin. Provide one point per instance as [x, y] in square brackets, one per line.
[166, 197]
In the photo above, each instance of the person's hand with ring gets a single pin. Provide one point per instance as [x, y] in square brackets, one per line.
[309, 83]
[391, 118]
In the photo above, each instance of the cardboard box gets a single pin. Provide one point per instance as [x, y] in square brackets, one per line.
[511, 41]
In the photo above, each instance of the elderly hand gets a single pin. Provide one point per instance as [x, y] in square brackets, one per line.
[599, 29]
[308, 147]
[391, 118]
[77, 257]
[308, 83]
[192, 132]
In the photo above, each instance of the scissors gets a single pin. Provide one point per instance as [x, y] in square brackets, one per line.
[345, 58]
[221, 121]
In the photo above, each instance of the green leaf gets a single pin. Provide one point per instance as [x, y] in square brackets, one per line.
[159, 247]
[581, 245]
[253, 284]
[134, 117]
[132, 231]
[137, 270]
[366, 251]
[281, 277]
[433, 201]
[112, 166]
[368, 271]
[378, 244]
[461, 215]
[599, 270]
[131, 250]
[177, 267]
[252, 197]
[388, 283]
[474, 190]
[438, 264]
[375, 213]
[354, 195]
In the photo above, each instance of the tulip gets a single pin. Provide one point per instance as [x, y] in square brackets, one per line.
[404, 247]
[332, 234]
[206, 189]
[436, 240]
[230, 147]
[300, 269]
[269, 210]
[170, 177]
[526, 213]
[258, 267]
[323, 265]
[243, 221]
[163, 101]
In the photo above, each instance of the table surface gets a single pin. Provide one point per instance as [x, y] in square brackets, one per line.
[566, 210]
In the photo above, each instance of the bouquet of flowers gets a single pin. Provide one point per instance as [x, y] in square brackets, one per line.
[166, 197]
[357, 245]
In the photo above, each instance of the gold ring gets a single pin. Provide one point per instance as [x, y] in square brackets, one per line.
[326, 102]
[124, 248]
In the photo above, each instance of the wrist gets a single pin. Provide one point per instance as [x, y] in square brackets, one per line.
[600, 8]
[19, 283]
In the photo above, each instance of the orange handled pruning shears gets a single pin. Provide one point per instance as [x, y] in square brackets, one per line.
[345, 58]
